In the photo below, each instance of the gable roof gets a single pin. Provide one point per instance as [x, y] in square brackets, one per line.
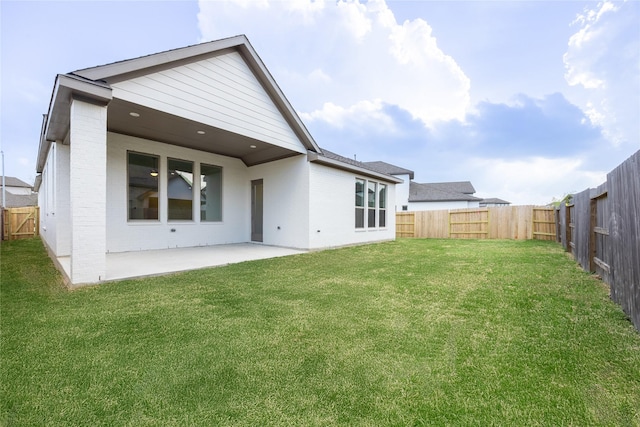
[494, 200]
[122, 69]
[94, 84]
[19, 200]
[389, 169]
[438, 192]
[464, 187]
[11, 181]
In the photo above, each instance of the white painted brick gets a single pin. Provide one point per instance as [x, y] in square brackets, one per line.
[88, 191]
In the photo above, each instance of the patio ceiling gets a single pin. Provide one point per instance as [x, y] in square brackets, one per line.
[163, 127]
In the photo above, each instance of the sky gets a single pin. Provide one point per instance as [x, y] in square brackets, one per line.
[528, 100]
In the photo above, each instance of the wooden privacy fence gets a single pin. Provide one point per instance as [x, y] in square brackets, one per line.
[20, 223]
[601, 229]
[506, 222]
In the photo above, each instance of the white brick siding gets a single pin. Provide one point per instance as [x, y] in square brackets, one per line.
[88, 191]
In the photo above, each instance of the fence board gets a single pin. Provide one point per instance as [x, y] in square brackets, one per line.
[20, 223]
[624, 233]
[469, 224]
[603, 233]
[405, 224]
[543, 224]
[504, 222]
[434, 224]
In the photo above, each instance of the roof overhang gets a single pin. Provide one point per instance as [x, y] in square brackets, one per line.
[118, 71]
[320, 159]
[55, 125]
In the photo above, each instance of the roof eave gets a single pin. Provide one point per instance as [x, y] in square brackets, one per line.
[241, 44]
[56, 122]
[317, 158]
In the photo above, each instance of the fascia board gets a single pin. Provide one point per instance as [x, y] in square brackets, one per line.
[56, 121]
[267, 80]
[241, 44]
[316, 158]
[132, 65]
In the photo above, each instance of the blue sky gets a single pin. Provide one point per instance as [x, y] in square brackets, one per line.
[527, 100]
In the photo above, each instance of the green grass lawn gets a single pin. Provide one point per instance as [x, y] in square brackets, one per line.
[412, 332]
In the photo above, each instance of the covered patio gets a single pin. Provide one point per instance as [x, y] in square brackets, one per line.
[126, 265]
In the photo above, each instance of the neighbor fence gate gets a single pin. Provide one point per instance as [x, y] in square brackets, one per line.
[20, 223]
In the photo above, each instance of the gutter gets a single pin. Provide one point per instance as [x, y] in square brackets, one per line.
[320, 159]
[55, 124]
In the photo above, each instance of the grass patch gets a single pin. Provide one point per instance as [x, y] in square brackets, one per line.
[412, 332]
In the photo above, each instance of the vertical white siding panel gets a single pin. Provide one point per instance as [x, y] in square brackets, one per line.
[62, 201]
[45, 201]
[402, 193]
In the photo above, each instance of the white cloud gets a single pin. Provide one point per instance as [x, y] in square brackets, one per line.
[366, 114]
[361, 49]
[603, 58]
[319, 75]
[534, 180]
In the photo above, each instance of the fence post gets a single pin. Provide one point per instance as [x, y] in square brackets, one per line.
[567, 227]
[593, 209]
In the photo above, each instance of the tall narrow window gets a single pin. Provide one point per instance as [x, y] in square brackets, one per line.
[180, 189]
[382, 204]
[143, 186]
[359, 203]
[371, 204]
[210, 193]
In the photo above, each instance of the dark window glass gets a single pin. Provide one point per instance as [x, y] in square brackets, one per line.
[143, 173]
[180, 189]
[210, 193]
[371, 203]
[359, 203]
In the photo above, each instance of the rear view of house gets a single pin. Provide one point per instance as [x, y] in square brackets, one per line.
[193, 147]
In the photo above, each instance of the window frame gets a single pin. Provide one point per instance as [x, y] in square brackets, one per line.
[158, 170]
[221, 198]
[362, 213]
[168, 174]
[360, 209]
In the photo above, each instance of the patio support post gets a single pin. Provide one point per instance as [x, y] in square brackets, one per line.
[88, 190]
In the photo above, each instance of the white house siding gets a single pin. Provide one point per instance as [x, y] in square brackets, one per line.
[220, 91]
[124, 235]
[63, 200]
[402, 192]
[54, 201]
[46, 200]
[436, 206]
[332, 210]
[286, 201]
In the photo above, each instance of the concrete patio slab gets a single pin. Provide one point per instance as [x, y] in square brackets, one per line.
[126, 265]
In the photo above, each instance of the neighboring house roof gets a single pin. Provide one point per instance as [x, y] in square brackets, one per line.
[389, 169]
[94, 84]
[11, 181]
[464, 187]
[495, 201]
[335, 160]
[439, 192]
[20, 200]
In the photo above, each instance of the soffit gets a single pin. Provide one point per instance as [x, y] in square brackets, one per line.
[163, 127]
